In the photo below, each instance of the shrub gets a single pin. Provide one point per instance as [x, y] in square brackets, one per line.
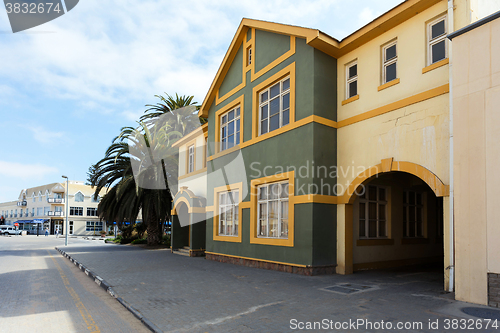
[140, 241]
[166, 240]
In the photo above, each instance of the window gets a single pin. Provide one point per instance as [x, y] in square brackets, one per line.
[39, 211]
[33, 195]
[93, 226]
[92, 199]
[272, 211]
[351, 79]
[390, 59]
[436, 40]
[58, 209]
[11, 213]
[230, 129]
[46, 211]
[228, 213]
[413, 225]
[249, 56]
[33, 212]
[373, 212]
[39, 196]
[15, 213]
[76, 211]
[58, 196]
[20, 213]
[190, 158]
[79, 197]
[91, 211]
[274, 106]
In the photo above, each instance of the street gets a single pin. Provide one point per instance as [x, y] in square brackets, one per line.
[43, 292]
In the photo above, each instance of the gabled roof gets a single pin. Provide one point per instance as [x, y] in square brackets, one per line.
[316, 38]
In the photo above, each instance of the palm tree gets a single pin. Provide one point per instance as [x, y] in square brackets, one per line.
[125, 173]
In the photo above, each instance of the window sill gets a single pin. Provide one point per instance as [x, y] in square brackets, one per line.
[374, 242]
[414, 241]
[349, 100]
[388, 84]
[187, 175]
[435, 65]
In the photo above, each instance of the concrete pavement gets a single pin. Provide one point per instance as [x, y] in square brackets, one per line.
[182, 294]
[42, 292]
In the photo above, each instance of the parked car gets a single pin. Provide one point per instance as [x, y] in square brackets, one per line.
[10, 230]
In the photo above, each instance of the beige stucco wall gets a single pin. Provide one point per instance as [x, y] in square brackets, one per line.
[476, 100]
[197, 183]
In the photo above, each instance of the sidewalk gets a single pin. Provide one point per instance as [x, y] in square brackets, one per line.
[183, 294]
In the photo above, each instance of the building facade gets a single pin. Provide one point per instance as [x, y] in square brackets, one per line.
[44, 207]
[325, 155]
[476, 127]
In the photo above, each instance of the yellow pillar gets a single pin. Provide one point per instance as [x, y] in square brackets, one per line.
[344, 239]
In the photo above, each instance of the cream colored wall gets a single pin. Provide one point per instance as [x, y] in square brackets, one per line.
[411, 49]
[476, 97]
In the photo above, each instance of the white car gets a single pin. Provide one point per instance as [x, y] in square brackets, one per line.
[9, 230]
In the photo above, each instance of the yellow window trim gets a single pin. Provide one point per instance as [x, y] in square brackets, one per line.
[388, 84]
[240, 101]
[349, 100]
[435, 65]
[287, 71]
[289, 127]
[290, 176]
[215, 209]
[189, 144]
[192, 173]
[245, 67]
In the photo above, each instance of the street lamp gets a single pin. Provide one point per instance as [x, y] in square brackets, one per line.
[67, 198]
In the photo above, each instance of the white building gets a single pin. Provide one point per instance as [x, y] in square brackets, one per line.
[44, 207]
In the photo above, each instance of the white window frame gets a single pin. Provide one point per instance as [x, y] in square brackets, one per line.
[224, 207]
[436, 40]
[406, 216]
[34, 197]
[280, 96]
[83, 197]
[364, 199]
[387, 62]
[91, 211]
[260, 218]
[349, 80]
[224, 125]
[76, 211]
[190, 165]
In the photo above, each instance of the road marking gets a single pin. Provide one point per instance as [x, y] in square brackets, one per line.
[89, 321]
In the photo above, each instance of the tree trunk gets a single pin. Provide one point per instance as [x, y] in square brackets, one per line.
[153, 228]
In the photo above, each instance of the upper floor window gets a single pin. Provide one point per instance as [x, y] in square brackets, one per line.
[373, 212]
[76, 211]
[351, 79]
[390, 59]
[413, 207]
[230, 129]
[249, 56]
[34, 198]
[79, 197]
[39, 196]
[228, 213]
[274, 106]
[436, 40]
[93, 199]
[91, 211]
[190, 158]
[272, 210]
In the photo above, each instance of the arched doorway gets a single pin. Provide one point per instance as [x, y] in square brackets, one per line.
[393, 214]
[180, 233]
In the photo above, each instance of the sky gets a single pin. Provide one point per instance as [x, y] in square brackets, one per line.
[68, 86]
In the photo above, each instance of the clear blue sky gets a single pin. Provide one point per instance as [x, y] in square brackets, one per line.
[68, 86]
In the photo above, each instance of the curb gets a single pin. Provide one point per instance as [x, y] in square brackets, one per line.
[106, 286]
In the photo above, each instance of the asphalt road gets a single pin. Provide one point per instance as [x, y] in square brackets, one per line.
[40, 291]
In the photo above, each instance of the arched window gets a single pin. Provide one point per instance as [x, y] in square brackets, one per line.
[79, 197]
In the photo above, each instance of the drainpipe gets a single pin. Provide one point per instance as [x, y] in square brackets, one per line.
[451, 267]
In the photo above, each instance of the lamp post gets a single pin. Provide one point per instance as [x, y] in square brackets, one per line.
[67, 198]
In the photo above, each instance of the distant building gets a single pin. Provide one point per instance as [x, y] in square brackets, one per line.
[44, 207]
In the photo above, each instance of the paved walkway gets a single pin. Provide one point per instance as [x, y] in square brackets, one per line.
[182, 294]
